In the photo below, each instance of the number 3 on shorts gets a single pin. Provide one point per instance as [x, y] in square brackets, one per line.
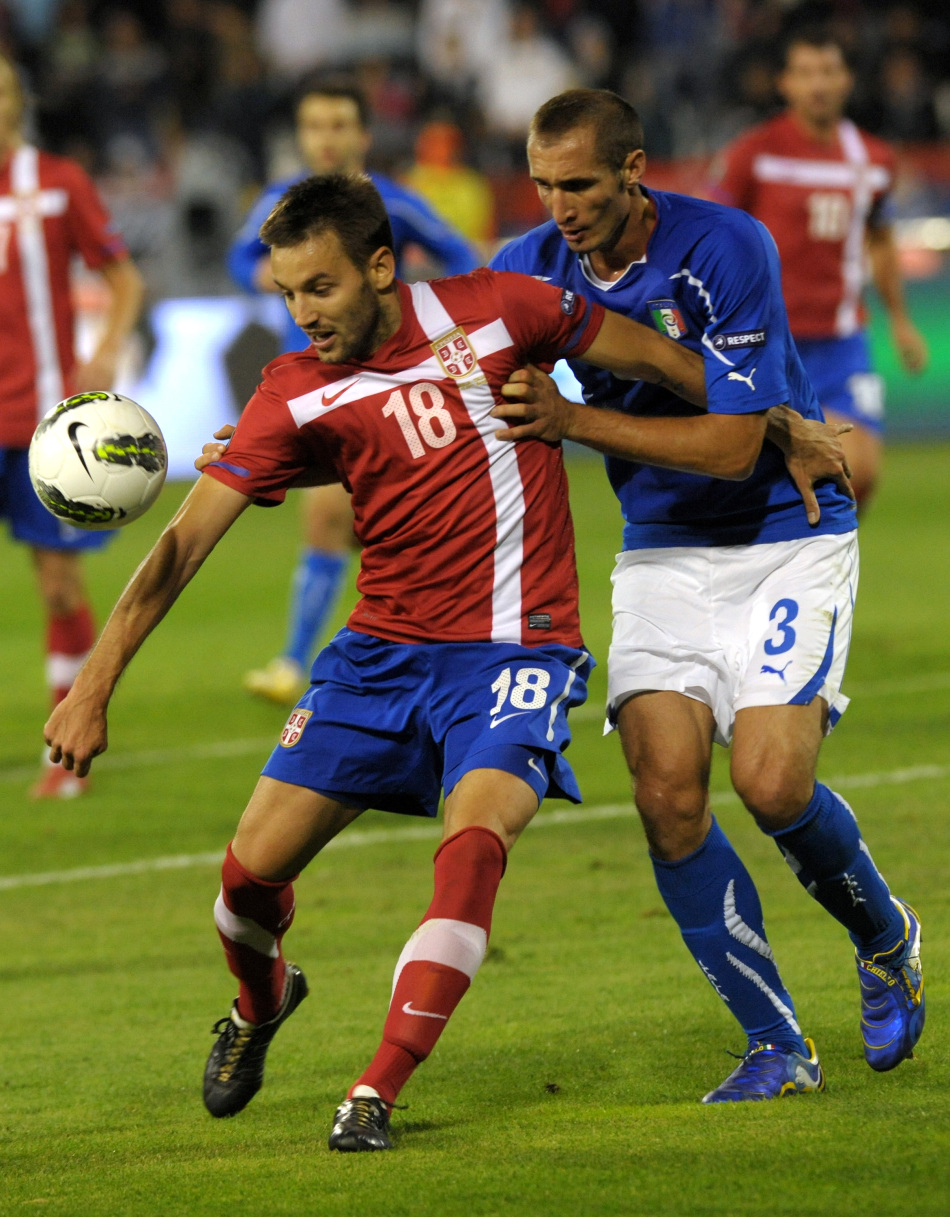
[783, 611]
[528, 692]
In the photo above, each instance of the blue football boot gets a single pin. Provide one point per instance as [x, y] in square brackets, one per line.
[892, 997]
[767, 1072]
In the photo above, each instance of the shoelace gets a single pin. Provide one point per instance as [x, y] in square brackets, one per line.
[235, 1040]
[364, 1111]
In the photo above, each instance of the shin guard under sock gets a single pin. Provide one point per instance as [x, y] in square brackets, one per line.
[714, 902]
[252, 916]
[825, 850]
[439, 961]
[314, 591]
[69, 640]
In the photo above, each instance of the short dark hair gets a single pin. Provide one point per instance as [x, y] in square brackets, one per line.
[345, 203]
[816, 36]
[337, 85]
[616, 124]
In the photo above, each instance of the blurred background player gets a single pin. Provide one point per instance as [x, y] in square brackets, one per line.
[821, 186]
[332, 135]
[49, 212]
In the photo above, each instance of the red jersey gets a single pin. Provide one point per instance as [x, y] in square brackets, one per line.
[49, 211]
[466, 538]
[817, 200]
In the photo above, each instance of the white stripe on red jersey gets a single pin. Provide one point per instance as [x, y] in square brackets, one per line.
[30, 210]
[465, 537]
[49, 211]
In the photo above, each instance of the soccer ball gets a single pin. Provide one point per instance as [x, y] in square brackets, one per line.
[97, 460]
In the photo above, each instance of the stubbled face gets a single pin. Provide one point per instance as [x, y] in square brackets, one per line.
[11, 106]
[588, 201]
[334, 302]
[816, 83]
[330, 136]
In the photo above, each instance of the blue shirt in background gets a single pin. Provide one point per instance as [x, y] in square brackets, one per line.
[413, 220]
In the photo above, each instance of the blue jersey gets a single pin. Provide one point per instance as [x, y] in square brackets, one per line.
[413, 221]
[711, 280]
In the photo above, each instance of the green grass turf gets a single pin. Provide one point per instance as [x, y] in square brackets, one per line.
[568, 1080]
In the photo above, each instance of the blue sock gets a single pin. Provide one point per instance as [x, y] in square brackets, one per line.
[313, 595]
[714, 902]
[825, 849]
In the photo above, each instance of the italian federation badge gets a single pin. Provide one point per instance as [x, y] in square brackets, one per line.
[667, 318]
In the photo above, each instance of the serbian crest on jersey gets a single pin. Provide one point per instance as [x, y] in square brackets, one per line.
[294, 729]
[667, 318]
[454, 352]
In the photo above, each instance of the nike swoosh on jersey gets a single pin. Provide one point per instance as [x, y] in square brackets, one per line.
[504, 718]
[407, 1009]
[533, 764]
[328, 401]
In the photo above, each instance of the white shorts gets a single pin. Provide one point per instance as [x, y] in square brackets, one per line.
[736, 625]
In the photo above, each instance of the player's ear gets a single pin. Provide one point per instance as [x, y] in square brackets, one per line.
[382, 268]
[633, 169]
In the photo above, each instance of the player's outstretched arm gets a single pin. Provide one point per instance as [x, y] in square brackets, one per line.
[635, 352]
[886, 273]
[77, 730]
[718, 445]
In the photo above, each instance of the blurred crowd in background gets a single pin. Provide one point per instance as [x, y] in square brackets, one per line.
[182, 109]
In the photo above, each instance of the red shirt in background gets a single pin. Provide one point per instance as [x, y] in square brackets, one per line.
[817, 200]
[49, 212]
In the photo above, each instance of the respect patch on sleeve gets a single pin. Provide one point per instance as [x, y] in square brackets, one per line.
[748, 338]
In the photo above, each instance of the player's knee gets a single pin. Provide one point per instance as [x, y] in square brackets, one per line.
[673, 814]
[774, 793]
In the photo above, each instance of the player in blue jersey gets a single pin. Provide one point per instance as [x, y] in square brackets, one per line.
[332, 135]
[732, 602]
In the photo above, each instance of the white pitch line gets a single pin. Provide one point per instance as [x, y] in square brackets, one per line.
[432, 831]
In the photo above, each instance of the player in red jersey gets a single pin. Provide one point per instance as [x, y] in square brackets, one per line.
[464, 653]
[821, 186]
[49, 212]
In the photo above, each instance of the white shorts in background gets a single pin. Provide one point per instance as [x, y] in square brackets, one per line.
[735, 625]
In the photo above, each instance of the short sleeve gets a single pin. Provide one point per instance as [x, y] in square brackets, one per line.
[883, 211]
[268, 453]
[735, 275]
[547, 323]
[90, 226]
[731, 181]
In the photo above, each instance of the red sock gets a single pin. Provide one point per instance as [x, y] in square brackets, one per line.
[252, 916]
[438, 962]
[69, 640]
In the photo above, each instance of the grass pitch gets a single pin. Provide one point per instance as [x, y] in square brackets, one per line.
[568, 1081]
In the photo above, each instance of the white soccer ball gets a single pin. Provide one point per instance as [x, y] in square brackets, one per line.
[98, 460]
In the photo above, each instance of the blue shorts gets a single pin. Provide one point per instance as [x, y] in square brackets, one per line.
[30, 522]
[389, 725]
[840, 370]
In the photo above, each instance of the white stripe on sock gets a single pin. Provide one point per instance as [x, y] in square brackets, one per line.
[244, 930]
[62, 670]
[751, 974]
[455, 944]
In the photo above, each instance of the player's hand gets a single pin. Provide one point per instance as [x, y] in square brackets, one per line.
[98, 372]
[76, 731]
[532, 398]
[813, 453]
[214, 452]
[911, 346]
